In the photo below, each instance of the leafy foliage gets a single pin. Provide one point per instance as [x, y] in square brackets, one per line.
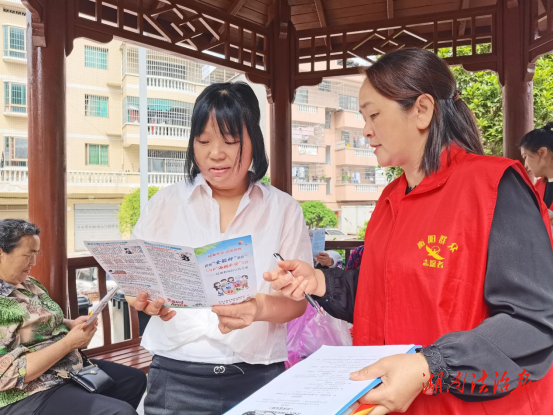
[317, 215]
[129, 212]
[361, 233]
[266, 180]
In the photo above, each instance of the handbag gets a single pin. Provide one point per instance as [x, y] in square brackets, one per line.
[90, 377]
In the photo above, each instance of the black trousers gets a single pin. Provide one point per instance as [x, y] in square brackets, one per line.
[178, 388]
[71, 399]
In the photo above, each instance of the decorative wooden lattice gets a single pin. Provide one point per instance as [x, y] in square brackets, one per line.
[467, 37]
[540, 15]
[180, 26]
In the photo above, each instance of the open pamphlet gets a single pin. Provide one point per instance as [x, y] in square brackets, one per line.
[320, 384]
[317, 237]
[98, 308]
[216, 274]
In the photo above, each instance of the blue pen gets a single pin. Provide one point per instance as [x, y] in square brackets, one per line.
[313, 303]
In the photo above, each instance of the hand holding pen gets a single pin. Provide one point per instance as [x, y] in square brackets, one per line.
[300, 280]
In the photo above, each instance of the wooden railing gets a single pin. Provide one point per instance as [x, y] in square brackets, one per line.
[347, 246]
[85, 262]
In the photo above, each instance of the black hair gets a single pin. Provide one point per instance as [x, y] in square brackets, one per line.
[538, 138]
[406, 74]
[234, 106]
[11, 232]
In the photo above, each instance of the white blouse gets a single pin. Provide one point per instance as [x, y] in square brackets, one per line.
[184, 214]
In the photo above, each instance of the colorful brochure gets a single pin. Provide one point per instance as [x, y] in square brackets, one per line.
[317, 237]
[216, 274]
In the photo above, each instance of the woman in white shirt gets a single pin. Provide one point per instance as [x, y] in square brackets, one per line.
[200, 365]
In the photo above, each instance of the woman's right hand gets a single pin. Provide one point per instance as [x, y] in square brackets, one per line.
[152, 308]
[79, 337]
[307, 279]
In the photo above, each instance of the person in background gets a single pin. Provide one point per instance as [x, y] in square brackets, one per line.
[329, 259]
[536, 149]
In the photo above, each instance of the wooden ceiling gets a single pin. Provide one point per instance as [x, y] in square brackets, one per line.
[311, 14]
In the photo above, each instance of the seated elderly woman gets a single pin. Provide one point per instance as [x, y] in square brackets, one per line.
[37, 344]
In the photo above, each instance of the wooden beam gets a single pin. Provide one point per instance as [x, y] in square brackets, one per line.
[321, 13]
[465, 4]
[235, 7]
[390, 9]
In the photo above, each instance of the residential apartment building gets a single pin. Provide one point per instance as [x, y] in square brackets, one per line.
[332, 162]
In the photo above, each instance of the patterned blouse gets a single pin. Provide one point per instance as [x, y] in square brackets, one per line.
[29, 321]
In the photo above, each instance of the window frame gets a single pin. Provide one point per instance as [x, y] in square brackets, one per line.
[11, 150]
[8, 103]
[8, 50]
[96, 50]
[87, 106]
[87, 155]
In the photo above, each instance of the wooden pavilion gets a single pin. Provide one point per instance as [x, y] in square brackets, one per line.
[282, 44]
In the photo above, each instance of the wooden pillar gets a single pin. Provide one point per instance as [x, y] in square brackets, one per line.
[282, 97]
[518, 103]
[47, 147]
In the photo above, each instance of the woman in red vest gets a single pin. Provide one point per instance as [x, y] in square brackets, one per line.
[457, 258]
[536, 149]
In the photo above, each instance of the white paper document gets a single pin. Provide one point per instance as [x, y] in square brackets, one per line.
[216, 274]
[320, 384]
[100, 306]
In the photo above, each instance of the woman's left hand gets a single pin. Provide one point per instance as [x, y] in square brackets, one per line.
[236, 316]
[402, 377]
[76, 322]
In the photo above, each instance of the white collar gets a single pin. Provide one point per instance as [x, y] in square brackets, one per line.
[200, 182]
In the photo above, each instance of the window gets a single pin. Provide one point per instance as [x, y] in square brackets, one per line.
[348, 102]
[15, 152]
[95, 106]
[370, 174]
[14, 42]
[328, 120]
[160, 111]
[345, 137]
[95, 57]
[15, 97]
[325, 86]
[166, 161]
[97, 155]
[302, 96]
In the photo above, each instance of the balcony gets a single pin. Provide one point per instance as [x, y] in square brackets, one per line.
[358, 192]
[160, 135]
[308, 113]
[309, 191]
[348, 119]
[351, 156]
[15, 179]
[173, 85]
[308, 153]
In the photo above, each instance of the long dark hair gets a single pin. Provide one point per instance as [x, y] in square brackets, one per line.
[406, 74]
[538, 138]
[234, 105]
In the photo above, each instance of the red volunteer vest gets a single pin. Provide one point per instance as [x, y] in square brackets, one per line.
[423, 270]
[540, 186]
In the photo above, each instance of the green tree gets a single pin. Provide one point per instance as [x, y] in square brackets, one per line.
[543, 91]
[317, 215]
[361, 233]
[266, 179]
[130, 209]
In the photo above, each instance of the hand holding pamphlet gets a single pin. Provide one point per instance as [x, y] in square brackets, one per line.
[317, 237]
[217, 274]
